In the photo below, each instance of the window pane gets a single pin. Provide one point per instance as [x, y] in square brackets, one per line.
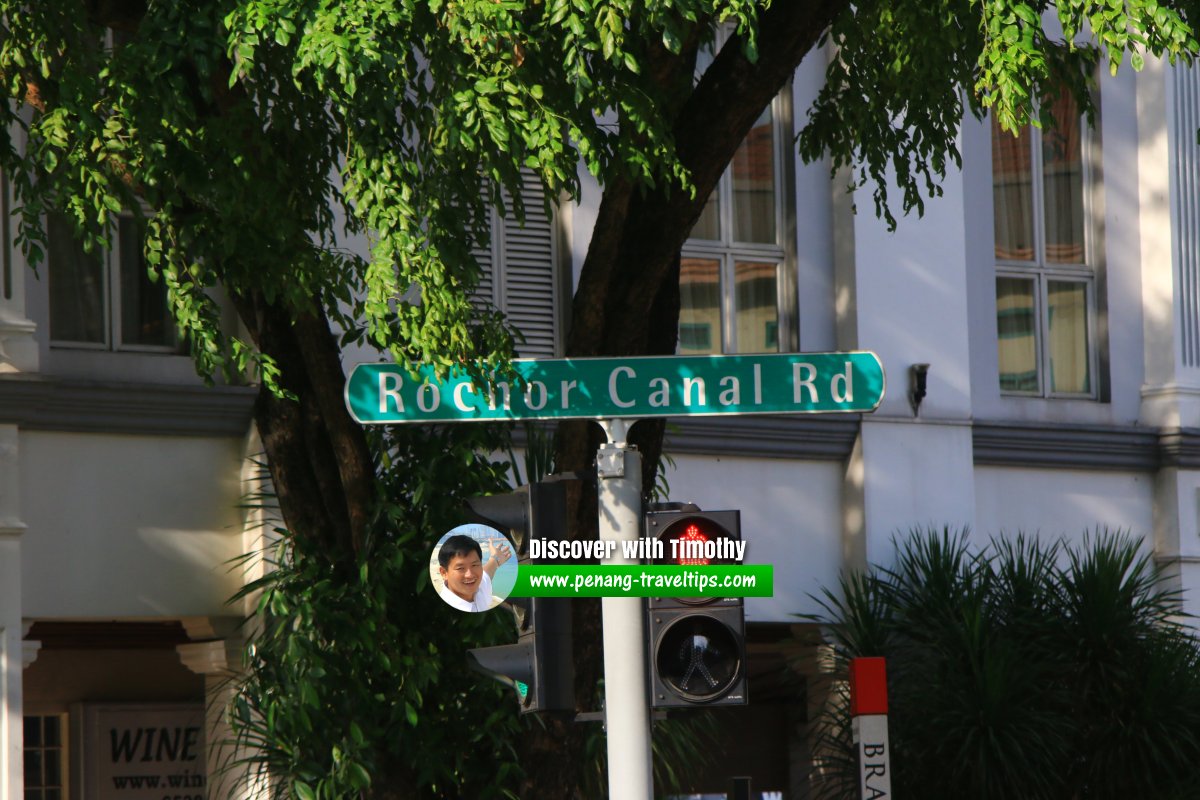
[76, 287]
[699, 306]
[709, 224]
[1012, 194]
[52, 727]
[1068, 337]
[33, 768]
[144, 319]
[1016, 324]
[1062, 165]
[52, 768]
[753, 170]
[33, 731]
[757, 305]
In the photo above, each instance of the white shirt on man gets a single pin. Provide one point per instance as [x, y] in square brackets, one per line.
[483, 597]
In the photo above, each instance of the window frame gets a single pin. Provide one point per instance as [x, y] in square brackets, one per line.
[111, 302]
[728, 252]
[61, 751]
[1089, 272]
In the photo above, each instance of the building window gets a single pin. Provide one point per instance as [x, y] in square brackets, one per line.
[733, 270]
[44, 773]
[105, 300]
[1045, 268]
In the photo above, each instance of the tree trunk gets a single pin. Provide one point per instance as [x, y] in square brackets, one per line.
[320, 464]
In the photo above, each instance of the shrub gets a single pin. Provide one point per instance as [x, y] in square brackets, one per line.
[1025, 669]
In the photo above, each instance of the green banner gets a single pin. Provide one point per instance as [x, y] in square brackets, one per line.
[636, 580]
[633, 387]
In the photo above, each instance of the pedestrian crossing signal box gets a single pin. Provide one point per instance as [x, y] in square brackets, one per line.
[696, 645]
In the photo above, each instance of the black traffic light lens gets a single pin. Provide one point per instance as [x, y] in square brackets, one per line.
[698, 658]
[696, 542]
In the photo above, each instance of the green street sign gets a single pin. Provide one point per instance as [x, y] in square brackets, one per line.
[633, 387]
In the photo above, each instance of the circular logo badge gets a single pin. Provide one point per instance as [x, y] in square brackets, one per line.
[473, 567]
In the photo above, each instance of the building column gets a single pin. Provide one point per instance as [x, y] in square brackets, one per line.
[12, 779]
[219, 660]
[1169, 225]
[12, 627]
[1177, 532]
[1168, 105]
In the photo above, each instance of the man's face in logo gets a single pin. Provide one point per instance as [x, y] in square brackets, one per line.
[462, 575]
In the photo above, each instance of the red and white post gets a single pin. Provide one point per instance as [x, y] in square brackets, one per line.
[868, 709]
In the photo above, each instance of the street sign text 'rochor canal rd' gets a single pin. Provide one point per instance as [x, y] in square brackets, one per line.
[643, 386]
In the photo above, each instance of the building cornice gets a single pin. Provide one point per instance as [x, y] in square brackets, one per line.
[1024, 444]
[1135, 448]
[50, 403]
[817, 438]
[1180, 447]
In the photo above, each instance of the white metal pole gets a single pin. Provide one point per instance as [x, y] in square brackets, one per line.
[626, 706]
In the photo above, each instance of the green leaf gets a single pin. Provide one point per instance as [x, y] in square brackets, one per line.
[671, 40]
[1027, 15]
[359, 777]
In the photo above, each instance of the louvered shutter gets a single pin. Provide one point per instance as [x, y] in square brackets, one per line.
[484, 296]
[530, 276]
[521, 277]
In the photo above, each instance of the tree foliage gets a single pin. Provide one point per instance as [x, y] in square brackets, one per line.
[1024, 669]
[357, 674]
[907, 73]
[242, 129]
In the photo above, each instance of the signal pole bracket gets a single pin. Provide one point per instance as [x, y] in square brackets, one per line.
[610, 458]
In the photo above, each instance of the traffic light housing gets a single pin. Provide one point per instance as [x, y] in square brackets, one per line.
[696, 646]
[540, 665]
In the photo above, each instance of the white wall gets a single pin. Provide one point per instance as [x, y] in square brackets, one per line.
[1062, 502]
[904, 477]
[128, 526]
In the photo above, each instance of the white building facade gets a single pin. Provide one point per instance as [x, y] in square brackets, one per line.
[1053, 292]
